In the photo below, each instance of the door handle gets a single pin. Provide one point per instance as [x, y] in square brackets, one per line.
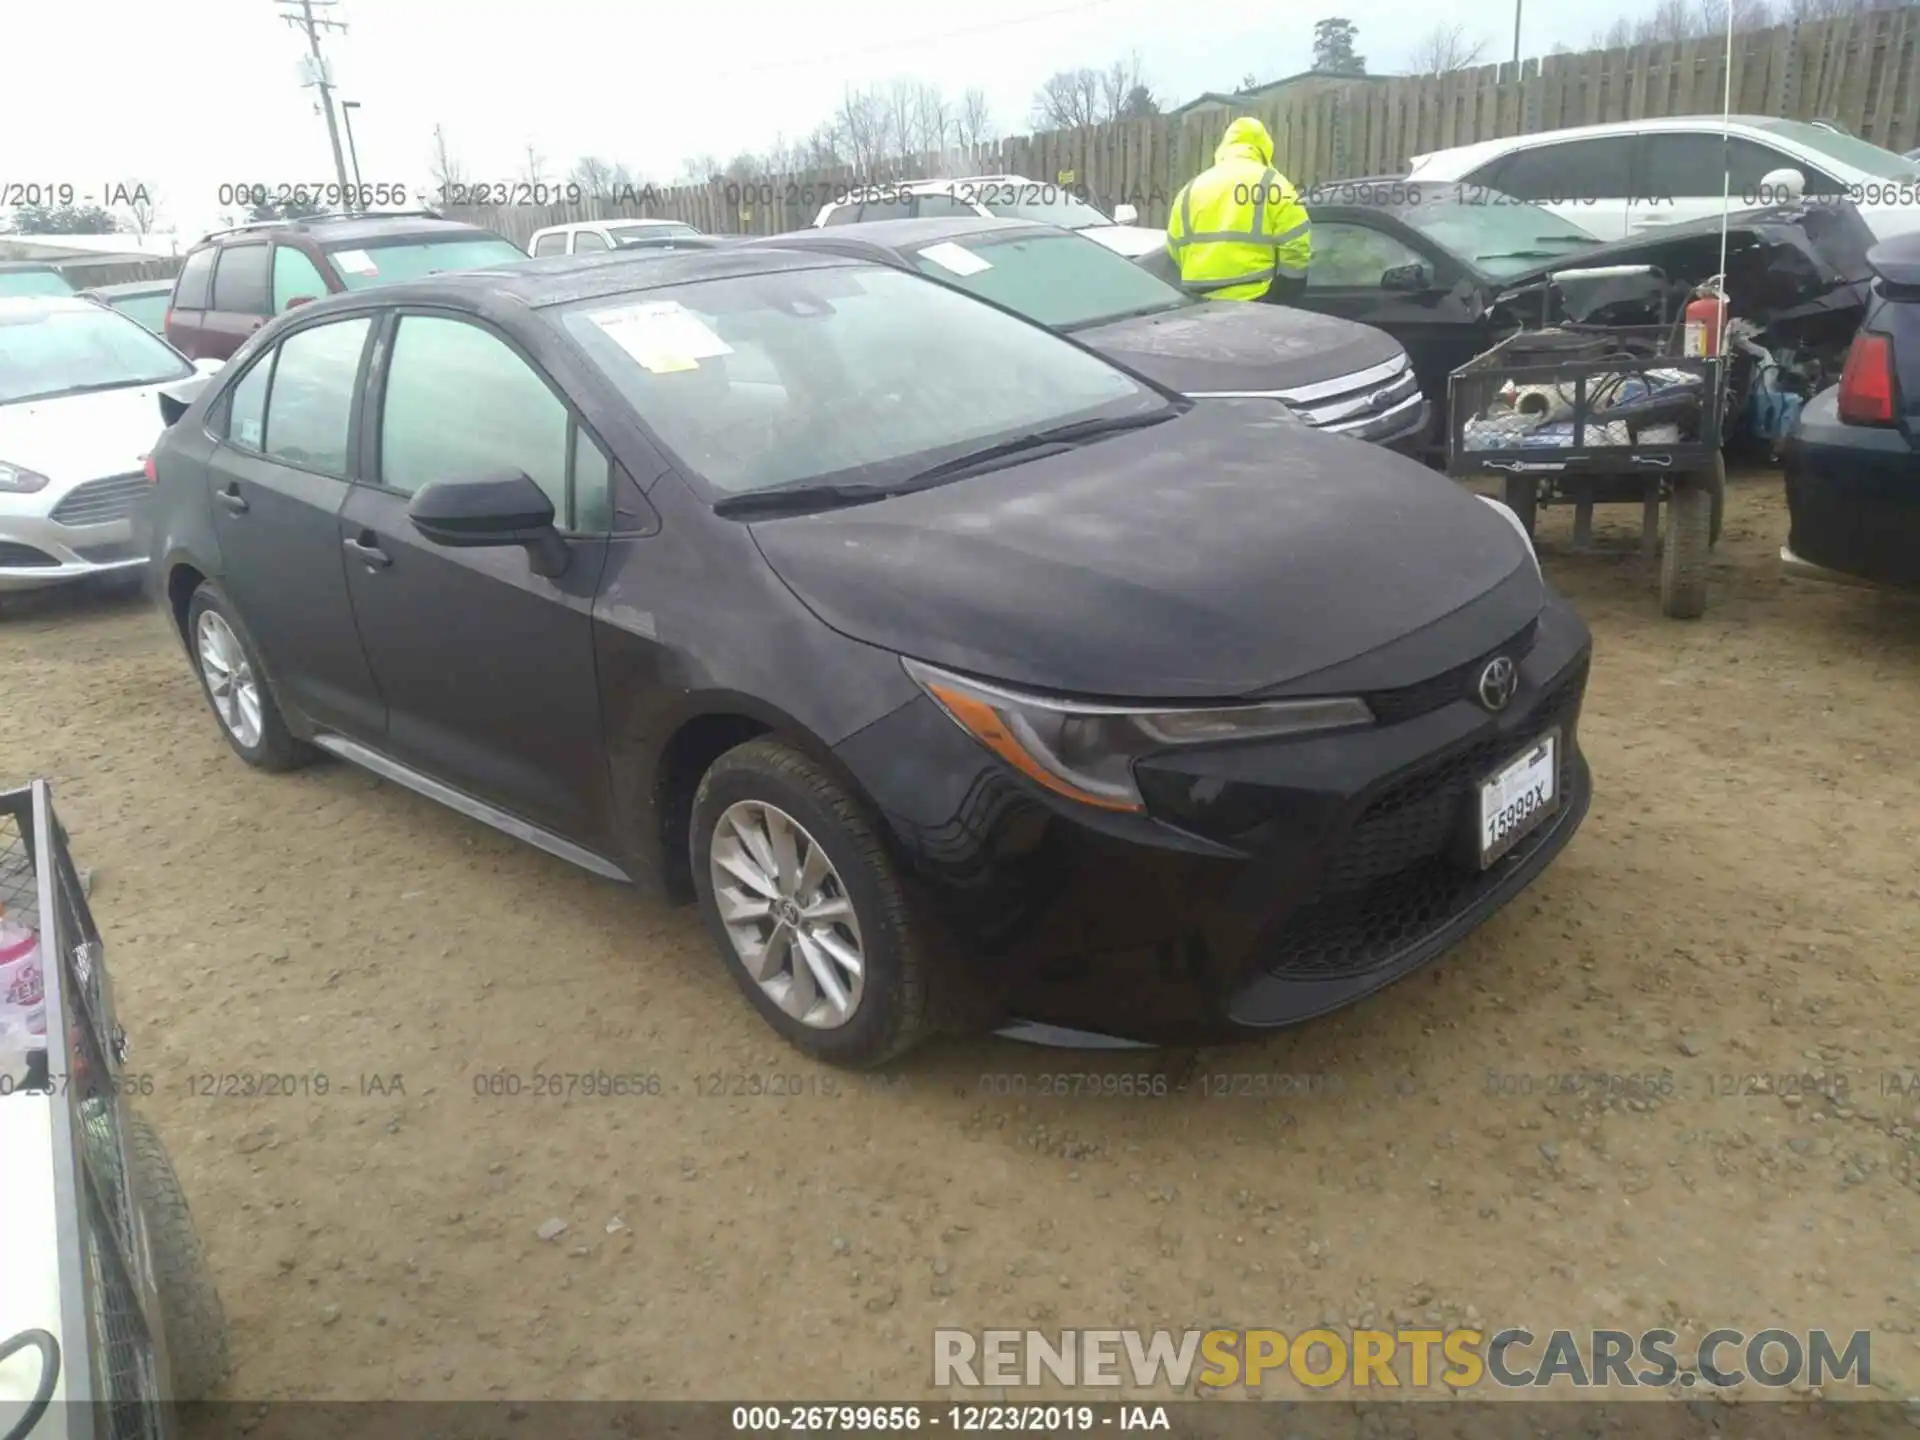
[370, 554]
[233, 499]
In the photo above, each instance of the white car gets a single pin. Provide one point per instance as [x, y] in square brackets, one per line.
[578, 238]
[1619, 180]
[79, 411]
[1010, 197]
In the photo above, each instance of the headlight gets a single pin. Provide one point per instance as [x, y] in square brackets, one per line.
[1086, 751]
[1506, 513]
[18, 480]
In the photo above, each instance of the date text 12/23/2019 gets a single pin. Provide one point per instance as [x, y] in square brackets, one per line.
[956, 1419]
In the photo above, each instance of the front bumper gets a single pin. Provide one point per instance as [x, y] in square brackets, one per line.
[1274, 882]
[37, 551]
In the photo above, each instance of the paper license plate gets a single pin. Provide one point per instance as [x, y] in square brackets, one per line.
[1518, 797]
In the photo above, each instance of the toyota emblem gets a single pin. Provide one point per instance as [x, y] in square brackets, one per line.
[1498, 682]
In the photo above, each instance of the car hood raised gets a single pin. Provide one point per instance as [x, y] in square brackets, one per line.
[82, 437]
[1225, 346]
[1223, 553]
[1131, 241]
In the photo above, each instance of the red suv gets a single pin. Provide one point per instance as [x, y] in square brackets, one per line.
[234, 281]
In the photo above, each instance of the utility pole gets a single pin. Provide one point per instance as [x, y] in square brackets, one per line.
[304, 21]
[1516, 37]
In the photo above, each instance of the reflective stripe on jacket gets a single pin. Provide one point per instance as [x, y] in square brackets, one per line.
[1238, 225]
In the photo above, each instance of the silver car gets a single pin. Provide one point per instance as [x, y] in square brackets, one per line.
[78, 414]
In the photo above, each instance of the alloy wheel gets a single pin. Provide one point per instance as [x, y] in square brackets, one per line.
[788, 914]
[230, 678]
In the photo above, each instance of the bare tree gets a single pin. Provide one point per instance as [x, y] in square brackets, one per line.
[975, 121]
[448, 173]
[1124, 92]
[860, 128]
[1445, 48]
[700, 169]
[144, 208]
[593, 175]
[532, 166]
[1068, 100]
[1249, 81]
[934, 123]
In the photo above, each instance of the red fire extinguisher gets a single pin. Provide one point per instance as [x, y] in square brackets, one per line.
[1706, 316]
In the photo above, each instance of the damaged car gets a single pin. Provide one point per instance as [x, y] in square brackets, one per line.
[1449, 278]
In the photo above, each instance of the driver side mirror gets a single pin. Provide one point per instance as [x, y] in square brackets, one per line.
[1782, 187]
[489, 512]
[1126, 214]
[1407, 277]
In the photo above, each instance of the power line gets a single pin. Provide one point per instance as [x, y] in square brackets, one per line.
[306, 22]
[990, 25]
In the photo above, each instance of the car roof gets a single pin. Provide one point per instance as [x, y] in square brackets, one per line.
[563, 279]
[131, 287]
[14, 267]
[345, 229]
[1466, 156]
[911, 234]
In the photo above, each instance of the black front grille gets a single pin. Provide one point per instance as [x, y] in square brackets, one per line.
[1390, 707]
[100, 501]
[14, 555]
[1421, 816]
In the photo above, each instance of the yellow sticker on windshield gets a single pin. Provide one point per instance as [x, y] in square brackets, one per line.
[662, 335]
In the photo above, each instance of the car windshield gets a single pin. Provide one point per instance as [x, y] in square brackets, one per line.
[45, 353]
[1498, 239]
[361, 266]
[149, 310]
[1861, 155]
[1063, 281]
[854, 375]
[34, 282]
[627, 234]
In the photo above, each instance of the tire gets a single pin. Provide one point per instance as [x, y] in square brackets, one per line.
[1716, 479]
[1683, 555]
[1522, 495]
[190, 1306]
[273, 747]
[893, 1010]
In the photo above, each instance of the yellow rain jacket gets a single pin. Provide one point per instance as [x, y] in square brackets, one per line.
[1237, 226]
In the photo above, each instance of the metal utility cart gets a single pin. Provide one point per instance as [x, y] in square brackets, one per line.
[1586, 415]
[107, 1310]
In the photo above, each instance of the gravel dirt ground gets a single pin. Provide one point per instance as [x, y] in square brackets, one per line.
[1741, 910]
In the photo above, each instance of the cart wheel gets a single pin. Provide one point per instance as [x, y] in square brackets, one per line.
[1523, 499]
[189, 1305]
[1683, 555]
[1716, 479]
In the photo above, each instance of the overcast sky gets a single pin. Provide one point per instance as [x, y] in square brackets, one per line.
[187, 97]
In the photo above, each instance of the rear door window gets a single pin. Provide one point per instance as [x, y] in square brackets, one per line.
[554, 244]
[247, 407]
[240, 284]
[589, 240]
[190, 291]
[310, 408]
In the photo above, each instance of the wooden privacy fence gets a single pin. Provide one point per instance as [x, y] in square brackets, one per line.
[1861, 70]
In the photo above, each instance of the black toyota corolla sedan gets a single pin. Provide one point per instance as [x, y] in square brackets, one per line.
[961, 676]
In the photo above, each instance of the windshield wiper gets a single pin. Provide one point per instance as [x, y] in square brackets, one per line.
[1522, 255]
[799, 499]
[94, 388]
[1058, 437]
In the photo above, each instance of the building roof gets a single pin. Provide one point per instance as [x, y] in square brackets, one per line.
[1261, 92]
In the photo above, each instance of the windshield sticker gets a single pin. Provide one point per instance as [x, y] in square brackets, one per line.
[956, 258]
[355, 262]
[664, 336]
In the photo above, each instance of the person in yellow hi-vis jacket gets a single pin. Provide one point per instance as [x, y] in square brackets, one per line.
[1238, 230]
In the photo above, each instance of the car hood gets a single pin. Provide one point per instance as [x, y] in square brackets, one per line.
[82, 437]
[1780, 262]
[1226, 552]
[1131, 241]
[1209, 347]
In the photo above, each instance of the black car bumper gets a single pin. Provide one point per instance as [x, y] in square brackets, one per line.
[1273, 882]
[1853, 495]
